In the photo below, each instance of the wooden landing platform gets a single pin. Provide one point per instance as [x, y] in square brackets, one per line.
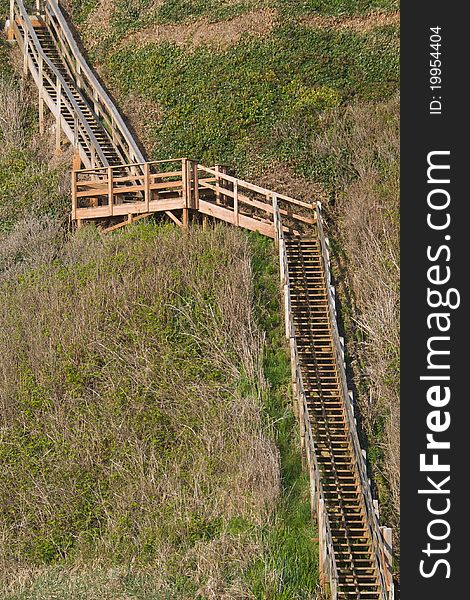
[182, 184]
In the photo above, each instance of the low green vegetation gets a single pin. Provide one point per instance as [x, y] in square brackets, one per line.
[81, 9]
[146, 426]
[126, 16]
[305, 108]
[336, 7]
[237, 106]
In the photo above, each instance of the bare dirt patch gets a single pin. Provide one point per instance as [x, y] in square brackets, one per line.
[282, 178]
[97, 22]
[202, 32]
[142, 116]
[357, 24]
[223, 34]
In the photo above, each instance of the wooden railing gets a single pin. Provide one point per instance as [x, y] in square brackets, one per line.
[328, 568]
[88, 83]
[137, 188]
[149, 187]
[380, 536]
[133, 189]
[239, 202]
[44, 72]
[46, 75]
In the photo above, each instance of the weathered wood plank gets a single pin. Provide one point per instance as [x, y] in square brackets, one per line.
[224, 214]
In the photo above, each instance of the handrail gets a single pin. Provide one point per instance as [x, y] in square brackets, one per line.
[26, 25]
[132, 151]
[360, 466]
[245, 202]
[326, 542]
[255, 188]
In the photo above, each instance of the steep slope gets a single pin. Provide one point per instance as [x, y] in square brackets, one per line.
[305, 100]
[314, 100]
[146, 440]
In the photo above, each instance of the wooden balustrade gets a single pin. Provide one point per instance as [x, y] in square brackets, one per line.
[89, 84]
[327, 565]
[191, 187]
[47, 77]
[137, 188]
[381, 546]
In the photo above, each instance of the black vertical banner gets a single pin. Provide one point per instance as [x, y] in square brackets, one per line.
[435, 258]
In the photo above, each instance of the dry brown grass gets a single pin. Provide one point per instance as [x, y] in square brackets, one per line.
[131, 425]
[13, 116]
[365, 141]
[223, 34]
[360, 24]
[33, 182]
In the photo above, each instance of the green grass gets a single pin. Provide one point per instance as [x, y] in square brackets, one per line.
[28, 188]
[288, 568]
[5, 68]
[225, 107]
[81, 9]
[256, 103]
[336, 7]
[180, 11]
[128, 16]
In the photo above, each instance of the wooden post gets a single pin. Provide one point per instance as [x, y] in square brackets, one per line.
[235, 203]
[387, 536]
[313, 491]
[222, 169]
[74, 192]
[25, 54]
[147, 186]
[275, 219]
[184, 181]
[11, 22]
[156, 193]
[95, 102]
[217, 184]
[75, 131]
[114, 134]
[77, 161]
[41, 97]
[58, 128]
[10, 31]
[321, 541]
[78, 70]
[195, 179]
[110, 190]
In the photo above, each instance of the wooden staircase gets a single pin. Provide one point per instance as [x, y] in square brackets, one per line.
[113, 157]
[117, 186]
[357, 570]
[82, 109]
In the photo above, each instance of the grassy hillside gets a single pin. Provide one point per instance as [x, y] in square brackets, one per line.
[138, 424]
[302, 96]
[147, 442]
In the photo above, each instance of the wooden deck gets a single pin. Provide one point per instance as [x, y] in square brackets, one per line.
[185, 186]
